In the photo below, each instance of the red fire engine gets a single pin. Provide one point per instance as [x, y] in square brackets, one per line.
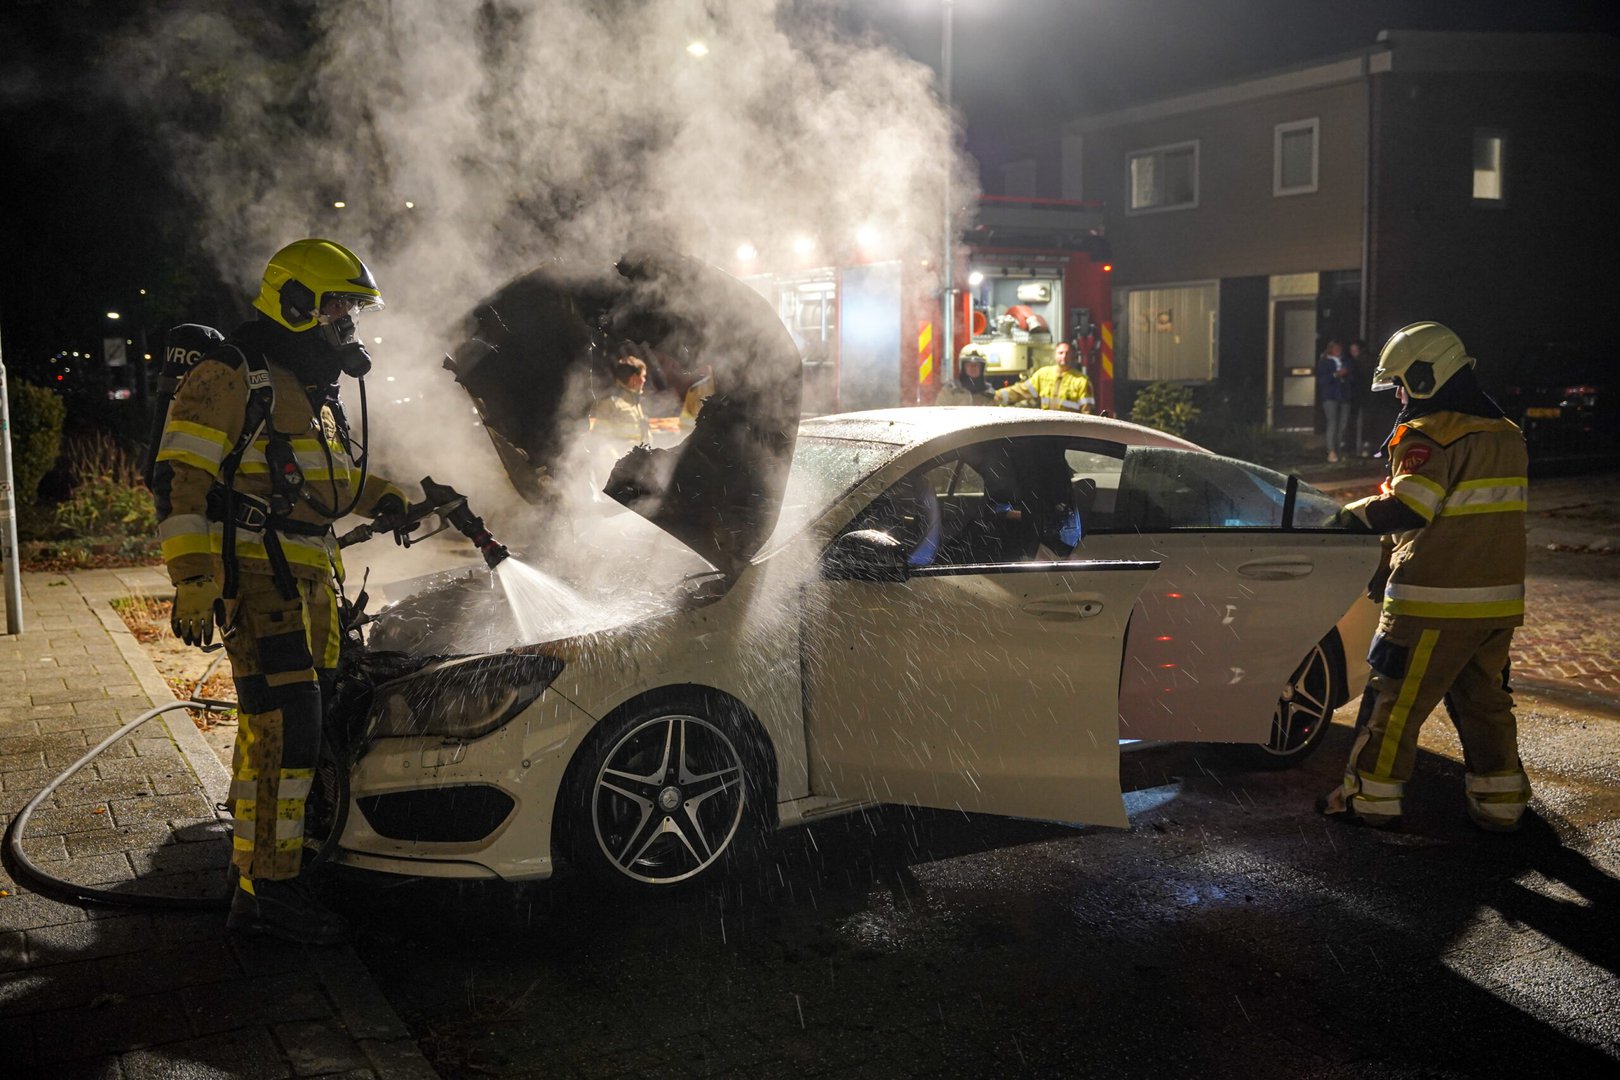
[1031, 273]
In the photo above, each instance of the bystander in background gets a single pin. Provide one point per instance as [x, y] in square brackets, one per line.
[1334, 391]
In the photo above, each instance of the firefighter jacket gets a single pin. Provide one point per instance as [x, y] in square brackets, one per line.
[619, 417]
[1052, 387]
[964, 391]
[1465, 476]
[205, 421]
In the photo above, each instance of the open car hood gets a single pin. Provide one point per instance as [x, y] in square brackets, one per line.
[527, 351]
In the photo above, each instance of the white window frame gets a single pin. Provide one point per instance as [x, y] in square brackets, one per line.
[1501, 167]
[1314, 126]
[1130, 187]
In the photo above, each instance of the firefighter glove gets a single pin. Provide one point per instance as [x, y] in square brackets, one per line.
[197, 605]
[389, 506]
[1352, 518]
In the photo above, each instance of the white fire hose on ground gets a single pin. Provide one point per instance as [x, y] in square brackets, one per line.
[18, 858]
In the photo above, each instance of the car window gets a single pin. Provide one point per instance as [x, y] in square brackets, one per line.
[1102, 469]
[1162, 488]
[963, 509]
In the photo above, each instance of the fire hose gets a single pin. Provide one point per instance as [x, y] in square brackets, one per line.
[90, 893]
[440, 500]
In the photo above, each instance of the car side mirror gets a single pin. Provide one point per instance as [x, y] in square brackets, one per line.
[865, 555]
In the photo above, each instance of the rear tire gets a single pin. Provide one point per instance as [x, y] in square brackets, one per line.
[1303, 712]
[667, 792]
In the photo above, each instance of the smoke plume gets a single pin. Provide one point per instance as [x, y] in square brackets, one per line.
[471, 141]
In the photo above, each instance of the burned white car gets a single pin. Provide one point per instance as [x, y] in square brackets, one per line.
[963, 608]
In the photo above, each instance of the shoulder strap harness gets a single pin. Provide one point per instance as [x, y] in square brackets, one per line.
[234, 508]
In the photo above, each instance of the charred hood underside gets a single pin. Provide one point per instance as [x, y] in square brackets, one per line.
[526, 351]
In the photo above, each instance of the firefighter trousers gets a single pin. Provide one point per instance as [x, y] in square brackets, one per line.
[283, 653]
[1413, 670]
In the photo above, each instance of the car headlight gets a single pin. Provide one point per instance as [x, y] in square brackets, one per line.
[462, 698]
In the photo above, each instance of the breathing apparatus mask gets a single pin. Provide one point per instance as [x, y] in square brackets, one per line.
[338, 330]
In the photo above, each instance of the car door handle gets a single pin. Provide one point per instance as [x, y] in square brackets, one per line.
[1276, 569]
[1063, 608]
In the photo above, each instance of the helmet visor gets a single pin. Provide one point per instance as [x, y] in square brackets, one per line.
[336, 305]
[1384, 380]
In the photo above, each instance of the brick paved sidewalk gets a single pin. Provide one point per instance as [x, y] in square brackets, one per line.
[146, 993]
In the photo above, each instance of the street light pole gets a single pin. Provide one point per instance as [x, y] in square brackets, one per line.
[947, 367]
[8, 514]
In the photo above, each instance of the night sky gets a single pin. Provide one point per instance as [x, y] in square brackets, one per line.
[1023, 64]
[91, 215]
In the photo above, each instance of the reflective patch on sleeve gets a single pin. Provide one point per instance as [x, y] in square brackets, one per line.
[1421, 494]
[1414, 459]
[193, 444]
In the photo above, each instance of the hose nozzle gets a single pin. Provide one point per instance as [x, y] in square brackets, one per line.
[453, 506]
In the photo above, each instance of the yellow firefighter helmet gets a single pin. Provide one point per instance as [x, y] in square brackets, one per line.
[1420, 358]
[304, 275]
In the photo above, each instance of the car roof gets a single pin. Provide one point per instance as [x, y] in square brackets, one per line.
[913, 425]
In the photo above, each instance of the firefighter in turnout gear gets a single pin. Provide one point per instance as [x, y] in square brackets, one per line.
[260, 465]
[1452, 513]
[617, 417]
[1059, 385]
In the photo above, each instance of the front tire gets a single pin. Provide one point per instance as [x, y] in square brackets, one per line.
[1300, 720]
[665, 793]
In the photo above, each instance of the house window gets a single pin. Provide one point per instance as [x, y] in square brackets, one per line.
[1294, 157]
[1163, 178]
[1018, 179]
[1490, 148]
[1171, 333]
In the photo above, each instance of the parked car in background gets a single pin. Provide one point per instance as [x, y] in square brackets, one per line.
[1564, 398]
[962, 608]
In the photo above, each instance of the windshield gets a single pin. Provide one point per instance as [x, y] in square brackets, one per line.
[823, 470]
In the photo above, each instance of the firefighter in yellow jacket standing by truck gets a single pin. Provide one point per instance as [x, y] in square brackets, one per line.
[1454, 509]
[1059, 385]
[262, 465]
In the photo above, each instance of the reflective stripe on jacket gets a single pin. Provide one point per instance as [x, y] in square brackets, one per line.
[205, 420]
[1052, 387]
[1466, 477]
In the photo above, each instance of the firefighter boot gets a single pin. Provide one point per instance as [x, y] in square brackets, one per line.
[1341, 805]
[284, 909]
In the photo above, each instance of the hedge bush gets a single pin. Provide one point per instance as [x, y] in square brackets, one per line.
[109, 499]
[1166, 407]
[37, 416]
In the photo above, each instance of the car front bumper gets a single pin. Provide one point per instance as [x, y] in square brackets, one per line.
[430, 806]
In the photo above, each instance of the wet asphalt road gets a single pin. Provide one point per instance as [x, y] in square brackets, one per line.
[1228, 933]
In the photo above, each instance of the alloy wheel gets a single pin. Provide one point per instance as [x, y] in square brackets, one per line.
[668, 799]
[1305, 706]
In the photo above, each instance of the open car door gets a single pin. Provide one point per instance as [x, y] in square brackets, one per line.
[992, 689]
[964, 676]
[1253, 577]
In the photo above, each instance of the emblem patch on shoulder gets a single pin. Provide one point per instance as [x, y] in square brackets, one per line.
[1413, 460]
